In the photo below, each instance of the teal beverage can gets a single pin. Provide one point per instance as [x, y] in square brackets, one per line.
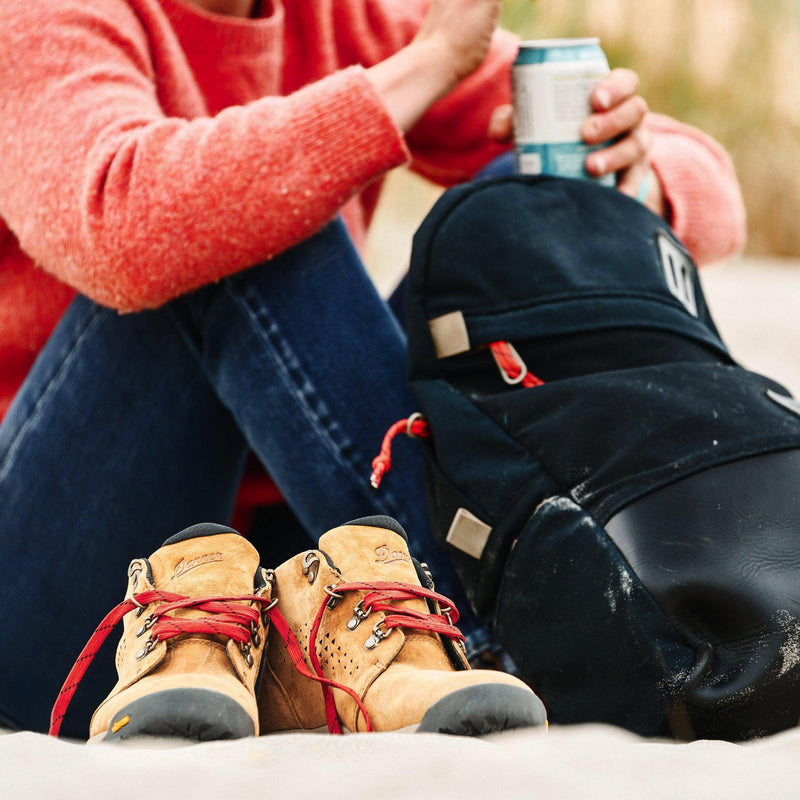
[552, 81]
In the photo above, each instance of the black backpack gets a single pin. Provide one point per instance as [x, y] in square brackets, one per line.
[620, 498]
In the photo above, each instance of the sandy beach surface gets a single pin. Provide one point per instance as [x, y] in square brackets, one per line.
[591, 762]
[756, 303]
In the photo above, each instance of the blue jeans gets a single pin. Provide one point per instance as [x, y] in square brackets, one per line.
[131, 427]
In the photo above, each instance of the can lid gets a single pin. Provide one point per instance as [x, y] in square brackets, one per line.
[540, 44]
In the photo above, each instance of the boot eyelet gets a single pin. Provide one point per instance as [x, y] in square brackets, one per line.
[139, 607]
[148, 647]
[359, 615]
[335, 597]
[428, 574]
[311, 565]
[134, 568]
[248, 658]
[379, 633]
[148, 623]
[265, 611]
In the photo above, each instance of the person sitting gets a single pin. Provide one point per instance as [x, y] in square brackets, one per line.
[186, 185]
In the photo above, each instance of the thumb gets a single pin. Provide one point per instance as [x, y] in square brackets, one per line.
[501, 124]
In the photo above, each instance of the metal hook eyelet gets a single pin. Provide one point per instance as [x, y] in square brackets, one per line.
[428, 574]
[311, 565]
[335, 597]
[266, 609]
[523, 367]
[359, 615]
[248, 658]
[377, 636]
[148, 647]
[135, 567]
[148, 623]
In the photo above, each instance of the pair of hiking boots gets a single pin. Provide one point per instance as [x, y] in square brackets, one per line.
[351, 636]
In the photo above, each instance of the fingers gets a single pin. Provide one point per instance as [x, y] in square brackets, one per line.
[632, 149]
[618, 120]
[617, 86]
[642, 183]
[501, 124]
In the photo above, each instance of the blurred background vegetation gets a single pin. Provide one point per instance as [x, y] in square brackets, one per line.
[730, 67]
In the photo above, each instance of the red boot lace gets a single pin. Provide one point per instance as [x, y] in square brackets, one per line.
[380, 596]
[235, 621]
[227, 617]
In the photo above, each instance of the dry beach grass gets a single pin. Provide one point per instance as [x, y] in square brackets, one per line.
[728, 66]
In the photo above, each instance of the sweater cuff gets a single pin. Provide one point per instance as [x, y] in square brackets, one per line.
[360, 140]
[702, 196]
[676, 173]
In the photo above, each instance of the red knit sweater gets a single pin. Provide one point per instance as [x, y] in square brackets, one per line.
[149, 148]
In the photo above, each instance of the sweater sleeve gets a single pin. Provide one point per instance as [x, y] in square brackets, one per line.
[132, 207]
[449, 144]
[707, 211]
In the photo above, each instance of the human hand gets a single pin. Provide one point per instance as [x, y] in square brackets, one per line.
[451, 43]
[459, 32]
[618, 115]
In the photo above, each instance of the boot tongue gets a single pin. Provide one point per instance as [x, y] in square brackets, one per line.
[206, 566]
[367, 554]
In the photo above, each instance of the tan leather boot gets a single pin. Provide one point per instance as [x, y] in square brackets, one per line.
[367, 622]
[194, 632]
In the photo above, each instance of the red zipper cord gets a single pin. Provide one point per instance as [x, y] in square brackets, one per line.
[415, 426]
[513, 370]
[512, 367]
[377, 598]
[230, 619]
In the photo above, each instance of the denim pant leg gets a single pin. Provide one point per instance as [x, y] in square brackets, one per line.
[115, 442]
[312, 364]
[131, 427]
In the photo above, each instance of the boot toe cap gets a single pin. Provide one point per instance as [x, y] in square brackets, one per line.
[482, 709]
[185, 713]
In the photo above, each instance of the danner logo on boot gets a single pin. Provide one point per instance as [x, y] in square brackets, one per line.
[184, 566]
[385, 555]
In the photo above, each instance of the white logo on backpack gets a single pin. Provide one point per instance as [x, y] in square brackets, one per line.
[678, 272]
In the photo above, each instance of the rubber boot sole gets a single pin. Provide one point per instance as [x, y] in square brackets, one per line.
[194, 714]
[483, 709]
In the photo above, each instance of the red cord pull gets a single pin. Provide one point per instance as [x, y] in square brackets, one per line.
[415, 426]
[512, 367]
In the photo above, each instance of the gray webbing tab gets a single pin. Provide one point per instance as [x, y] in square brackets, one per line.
[468, 533]
[449, 334]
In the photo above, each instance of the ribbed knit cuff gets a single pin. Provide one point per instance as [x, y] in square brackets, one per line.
[701, 191]
[348, 122]
[678, 178]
